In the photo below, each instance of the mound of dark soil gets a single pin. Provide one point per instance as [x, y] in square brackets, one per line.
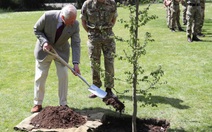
[57, 117]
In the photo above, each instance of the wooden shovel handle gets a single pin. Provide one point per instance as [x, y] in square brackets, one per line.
[54, 53]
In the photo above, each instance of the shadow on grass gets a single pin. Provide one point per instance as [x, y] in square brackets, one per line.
[207, 34]
[206, 129]
[207, 40]
[207, 22]
[176, 130]
[174, 102]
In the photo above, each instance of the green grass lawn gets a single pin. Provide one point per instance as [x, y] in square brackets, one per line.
[184, 100]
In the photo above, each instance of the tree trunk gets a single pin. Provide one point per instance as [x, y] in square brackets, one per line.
[134, 98]
[134, 116]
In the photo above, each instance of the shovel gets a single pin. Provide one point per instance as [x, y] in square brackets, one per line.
[92, 88]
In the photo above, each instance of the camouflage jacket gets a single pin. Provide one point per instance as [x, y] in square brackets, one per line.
[99, 15]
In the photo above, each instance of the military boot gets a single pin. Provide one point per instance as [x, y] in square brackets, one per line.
[180, 29]
[195, 38]
[201, 35]
[189, 38]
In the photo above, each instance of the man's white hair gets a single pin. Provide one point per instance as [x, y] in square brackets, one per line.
[68, 11]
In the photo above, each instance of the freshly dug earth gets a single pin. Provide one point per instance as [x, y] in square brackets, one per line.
[63, 117]
[115, 102]
[114, 123]
[57, 117]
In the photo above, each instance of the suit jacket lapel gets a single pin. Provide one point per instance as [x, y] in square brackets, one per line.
[65, 34]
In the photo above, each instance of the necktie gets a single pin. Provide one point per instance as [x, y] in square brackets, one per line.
[59, 31]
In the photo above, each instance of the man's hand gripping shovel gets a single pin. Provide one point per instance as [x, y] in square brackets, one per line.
[92, 88]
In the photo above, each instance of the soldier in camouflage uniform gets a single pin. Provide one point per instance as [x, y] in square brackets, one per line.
[193, 19]
[175, 16]
[202, 5]
[98, 18]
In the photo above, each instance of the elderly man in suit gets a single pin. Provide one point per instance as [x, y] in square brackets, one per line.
[45, 30]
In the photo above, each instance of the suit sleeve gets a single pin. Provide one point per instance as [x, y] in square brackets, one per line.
[75, 45]
[39, 30]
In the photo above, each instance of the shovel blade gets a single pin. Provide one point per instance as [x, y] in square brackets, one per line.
[97, 91]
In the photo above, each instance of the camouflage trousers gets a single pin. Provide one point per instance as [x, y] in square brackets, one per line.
[168, 16]
[96, 48]
[193, 19]
[184, 6]
[175, 16]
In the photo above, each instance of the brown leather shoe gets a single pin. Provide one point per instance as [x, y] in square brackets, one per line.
[36, 108]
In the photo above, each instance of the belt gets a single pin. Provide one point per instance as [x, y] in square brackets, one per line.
[100, 27]
[99, 30]
[190, 4]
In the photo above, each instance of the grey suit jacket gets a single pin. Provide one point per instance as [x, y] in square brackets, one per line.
[45, 30]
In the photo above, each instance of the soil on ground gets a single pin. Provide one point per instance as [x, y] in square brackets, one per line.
[114, 102]
[113, 123]
[57, 117]
[64, 117]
